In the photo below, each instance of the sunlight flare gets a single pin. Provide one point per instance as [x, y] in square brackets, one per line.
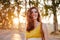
[16, 21]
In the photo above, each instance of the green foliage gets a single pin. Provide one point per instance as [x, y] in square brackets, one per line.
[18, 2]
[52, 7]
[34, 3]
[5, 1]
[46, 14]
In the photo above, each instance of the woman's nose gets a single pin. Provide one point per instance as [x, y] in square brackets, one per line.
[33, 14]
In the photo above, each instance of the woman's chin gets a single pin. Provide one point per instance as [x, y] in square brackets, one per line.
[35, 19]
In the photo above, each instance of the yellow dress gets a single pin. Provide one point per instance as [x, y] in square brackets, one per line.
[36, 33]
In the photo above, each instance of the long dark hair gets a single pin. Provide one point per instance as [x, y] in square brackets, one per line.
[30, 21]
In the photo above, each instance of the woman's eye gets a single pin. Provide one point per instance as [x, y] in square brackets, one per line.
[35, 11]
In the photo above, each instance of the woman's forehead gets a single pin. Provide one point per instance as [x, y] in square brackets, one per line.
[33, 10]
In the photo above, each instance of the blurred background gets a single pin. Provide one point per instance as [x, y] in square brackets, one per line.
[13, 15]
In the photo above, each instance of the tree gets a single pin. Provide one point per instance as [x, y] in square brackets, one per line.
[35, 3]
[4, 10]
[55, 4]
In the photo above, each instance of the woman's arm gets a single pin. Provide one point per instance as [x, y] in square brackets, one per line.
[45, 32]
[42, 32]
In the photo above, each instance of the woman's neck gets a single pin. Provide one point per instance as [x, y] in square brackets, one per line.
[35, 23]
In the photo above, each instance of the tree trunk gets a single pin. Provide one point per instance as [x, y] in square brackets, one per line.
[25, 5]
[37, 3]
[55, 22]
[55, 17]
[29, 3]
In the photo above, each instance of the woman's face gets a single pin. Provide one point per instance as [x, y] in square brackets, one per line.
[34, 14]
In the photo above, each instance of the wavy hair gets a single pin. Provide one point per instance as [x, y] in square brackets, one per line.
[30, 21]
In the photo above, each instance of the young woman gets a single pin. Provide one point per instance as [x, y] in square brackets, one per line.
[33, 27]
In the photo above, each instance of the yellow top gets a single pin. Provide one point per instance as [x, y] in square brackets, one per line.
[36, 33]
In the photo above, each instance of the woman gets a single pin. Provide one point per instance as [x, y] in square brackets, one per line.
[33, 27]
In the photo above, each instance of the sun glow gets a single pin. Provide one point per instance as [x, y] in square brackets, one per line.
[15, 20]
[12, 1]
[22, 19]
